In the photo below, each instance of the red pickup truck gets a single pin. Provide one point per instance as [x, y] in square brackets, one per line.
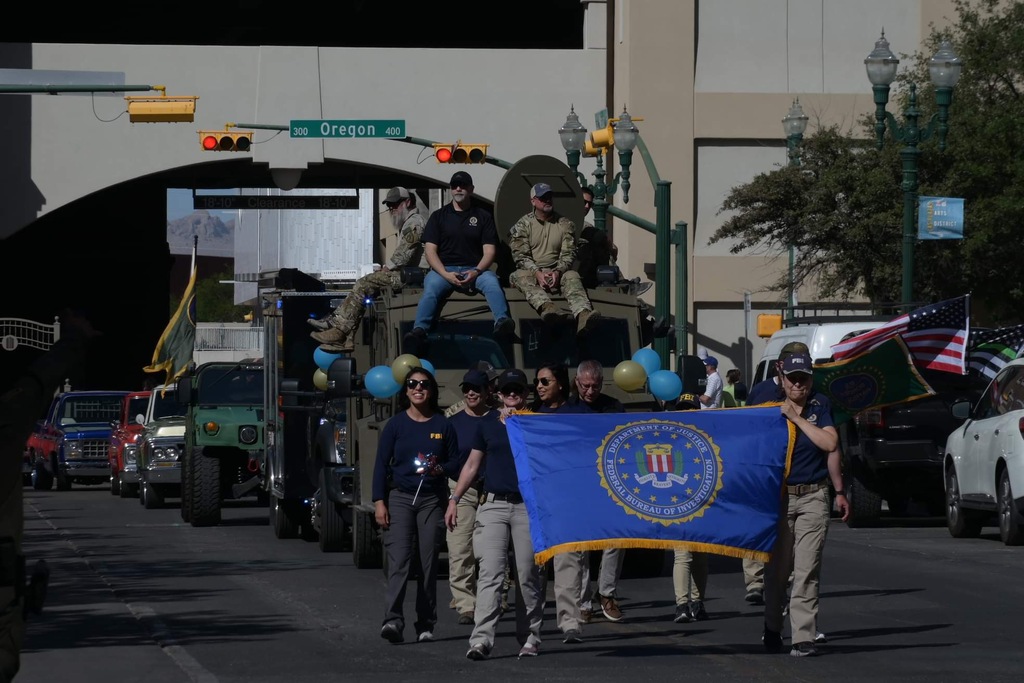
[124, 477]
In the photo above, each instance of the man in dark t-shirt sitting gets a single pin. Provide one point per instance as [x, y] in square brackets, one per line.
[460, 243]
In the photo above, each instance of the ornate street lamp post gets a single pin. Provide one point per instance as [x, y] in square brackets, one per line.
[944, 70]
[794, 126]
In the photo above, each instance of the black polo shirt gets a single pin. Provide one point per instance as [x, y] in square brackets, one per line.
[460, 235]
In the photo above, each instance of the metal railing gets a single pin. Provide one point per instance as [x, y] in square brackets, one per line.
[15, 332]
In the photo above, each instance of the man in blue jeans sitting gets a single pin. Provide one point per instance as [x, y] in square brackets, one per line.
[460, 242]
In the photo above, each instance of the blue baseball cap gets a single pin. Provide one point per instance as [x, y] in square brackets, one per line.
[539, 190]
[712, 361]
[798, 362]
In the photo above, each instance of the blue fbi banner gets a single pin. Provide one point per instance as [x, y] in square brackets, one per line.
[940, 218]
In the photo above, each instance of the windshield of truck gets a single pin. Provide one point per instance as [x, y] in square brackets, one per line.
[89, 409]
[607, 343]
[457, 344]
[165, 404]
[137, 406]
[230, 385]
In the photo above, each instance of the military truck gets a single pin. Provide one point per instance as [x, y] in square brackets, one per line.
[462, 336]
[307, 479]
[224, 452]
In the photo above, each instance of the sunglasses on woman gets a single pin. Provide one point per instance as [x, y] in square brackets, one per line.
[417, 383]
[544, 381]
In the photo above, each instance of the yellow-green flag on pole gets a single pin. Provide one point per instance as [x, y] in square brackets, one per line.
[883, 376]
[174, 350]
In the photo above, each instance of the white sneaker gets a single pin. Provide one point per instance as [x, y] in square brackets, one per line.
[425, 637]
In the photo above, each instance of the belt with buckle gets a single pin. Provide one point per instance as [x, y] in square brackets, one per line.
[503, 497]
[804, 489]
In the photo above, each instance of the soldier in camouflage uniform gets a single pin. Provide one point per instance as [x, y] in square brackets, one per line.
[335, 332]
[21, 404]
[543, 245]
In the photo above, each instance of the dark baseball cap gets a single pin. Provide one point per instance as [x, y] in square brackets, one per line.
[539, 190]
[462, 179]
[486, 368]
[797, 362]
[512, 377]
[688, 402]
[476, 378]
[793, 347]
[396, 195]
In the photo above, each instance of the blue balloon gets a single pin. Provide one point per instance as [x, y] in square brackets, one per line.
[323, 359]
[648, 359]
[665, 385]
[428, 366]
[380, 381]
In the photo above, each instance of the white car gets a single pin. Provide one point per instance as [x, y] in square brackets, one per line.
[984, 460]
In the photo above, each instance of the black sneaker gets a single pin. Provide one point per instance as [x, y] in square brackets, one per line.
[478, 652]
[682, 614]
[504, 326]
[803, 650]
[414, 340]
[697, 611]
[755, 596]
[772, 641]
[391, 633]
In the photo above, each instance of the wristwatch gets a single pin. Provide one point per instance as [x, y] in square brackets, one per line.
[455, 498]
[840, 492]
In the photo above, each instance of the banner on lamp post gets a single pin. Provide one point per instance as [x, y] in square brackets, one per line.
[940, 218]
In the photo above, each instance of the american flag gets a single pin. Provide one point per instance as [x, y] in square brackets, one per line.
[990, 350]
[935, 334]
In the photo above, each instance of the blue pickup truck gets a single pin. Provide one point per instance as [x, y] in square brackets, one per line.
[70, 444]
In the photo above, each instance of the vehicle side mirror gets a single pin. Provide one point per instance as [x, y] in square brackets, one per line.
[961, 409]
[184, 391]
[140, 419]
[341, 378]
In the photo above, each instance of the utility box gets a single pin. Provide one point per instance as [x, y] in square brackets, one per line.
[768, 324]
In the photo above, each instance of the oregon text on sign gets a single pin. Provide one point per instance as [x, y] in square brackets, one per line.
[310, 202]
[367, 128]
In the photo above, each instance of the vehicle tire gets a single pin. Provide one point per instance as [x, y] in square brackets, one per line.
[284, 525]
[865, 505]
[332, 526]
[126, 490]
[115, 483]
[60, 477]
[960, 522]
[41, 479]
[1011, 526]
[152, 497]
[898, 506]
[205, 489]
[186, 485]
[367, 550]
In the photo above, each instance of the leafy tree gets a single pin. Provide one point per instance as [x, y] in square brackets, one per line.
[215, 301]
[843, 208]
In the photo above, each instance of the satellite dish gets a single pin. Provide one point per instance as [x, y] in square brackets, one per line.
[512, 201]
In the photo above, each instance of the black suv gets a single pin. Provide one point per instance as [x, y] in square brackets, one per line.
[895, 453]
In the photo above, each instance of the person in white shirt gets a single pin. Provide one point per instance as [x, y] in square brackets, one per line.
[712, 396]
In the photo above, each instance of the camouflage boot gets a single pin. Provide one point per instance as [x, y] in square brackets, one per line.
[549, 314]
[333, 340]
[322, 324]
[586, 320]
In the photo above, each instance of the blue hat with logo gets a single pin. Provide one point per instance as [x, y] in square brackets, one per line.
[712, 361]
[539, 190]
[798, 362]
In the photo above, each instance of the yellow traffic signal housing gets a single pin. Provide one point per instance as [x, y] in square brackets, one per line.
[225, 140]
[598, 141]
[161, 109]
[768, 324]
[460, 153]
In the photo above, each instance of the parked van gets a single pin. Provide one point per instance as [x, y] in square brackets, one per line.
[818, 338]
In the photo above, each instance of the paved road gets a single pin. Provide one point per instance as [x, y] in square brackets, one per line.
[137, 596]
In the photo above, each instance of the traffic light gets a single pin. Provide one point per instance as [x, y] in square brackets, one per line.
[161, 109]
[460, 153]
[598, 141]
[225, 140]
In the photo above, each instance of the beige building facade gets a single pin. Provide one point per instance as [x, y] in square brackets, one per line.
[711, 81]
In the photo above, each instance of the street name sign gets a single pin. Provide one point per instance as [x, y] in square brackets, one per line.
[347, 128]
